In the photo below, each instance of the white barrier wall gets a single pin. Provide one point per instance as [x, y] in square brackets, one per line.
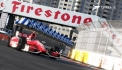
[98, 60]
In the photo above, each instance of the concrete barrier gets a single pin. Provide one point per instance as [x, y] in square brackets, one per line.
[97, 60]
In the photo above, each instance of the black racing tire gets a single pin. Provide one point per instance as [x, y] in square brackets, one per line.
[55, 48]
[21, 44]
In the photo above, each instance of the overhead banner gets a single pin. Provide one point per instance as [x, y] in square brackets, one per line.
[49, 14]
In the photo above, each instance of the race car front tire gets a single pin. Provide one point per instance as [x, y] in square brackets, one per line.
[21, 44]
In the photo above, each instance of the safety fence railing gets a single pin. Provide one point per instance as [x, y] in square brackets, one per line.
[99, 46]
[96, 40]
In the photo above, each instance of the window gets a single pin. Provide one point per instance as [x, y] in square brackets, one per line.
[91, 5]
[66, 35]
[104, 16]
[70, 0]
[61, 3]
[42, 2]
[89, 13]
[94, 13]
[69, 5]
[121, 8]
[65, 4]
[107, 4]
[51, 26]
[64, 8]
[47, 3]
[105, 12]
[68, 9]
[118, 16]
[78, 6]
[90, 9]
[119, 12]
[62, 0]
[85, 12]
[60, 7]
[66, 0]
[78, 2]
[95, 9]
[92, 0]
[108, 0]
[54, 3]
[67, 30]
[117, 3]
[112, 1]
[59, 28]
[86, 8]
[55, 27]
[63, 29]
[74, 38]
[77, 10]
[115, 11]
[114, 15]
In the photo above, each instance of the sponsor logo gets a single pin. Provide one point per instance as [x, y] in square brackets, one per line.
[104, 7]
[2, 6]
[38, 11]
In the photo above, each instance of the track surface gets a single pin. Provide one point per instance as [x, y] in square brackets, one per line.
[11, 59]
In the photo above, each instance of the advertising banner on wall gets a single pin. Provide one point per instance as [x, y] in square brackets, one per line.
[118, 64]
[45, 13]
[107, 63]
[95, 59]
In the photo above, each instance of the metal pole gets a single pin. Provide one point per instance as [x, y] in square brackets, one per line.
[100, 38]
[107, 40]
[83, 35]
[94, 34]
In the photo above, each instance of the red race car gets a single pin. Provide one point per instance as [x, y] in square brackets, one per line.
[28, 43]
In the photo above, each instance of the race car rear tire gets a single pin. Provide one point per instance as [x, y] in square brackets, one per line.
[54, 49]
[21, 44]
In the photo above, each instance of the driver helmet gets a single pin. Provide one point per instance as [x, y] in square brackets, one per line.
[33, 35]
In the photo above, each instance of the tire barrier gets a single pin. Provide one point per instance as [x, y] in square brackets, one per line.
[97, 60]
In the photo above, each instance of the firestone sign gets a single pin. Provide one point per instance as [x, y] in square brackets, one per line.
[2, 5]
[48, 14]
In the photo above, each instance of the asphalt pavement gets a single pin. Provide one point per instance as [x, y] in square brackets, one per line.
[11, 59]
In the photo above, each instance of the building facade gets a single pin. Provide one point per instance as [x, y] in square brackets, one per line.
[66, 4]
[67, 31]
[50, 3]
[108, 9]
